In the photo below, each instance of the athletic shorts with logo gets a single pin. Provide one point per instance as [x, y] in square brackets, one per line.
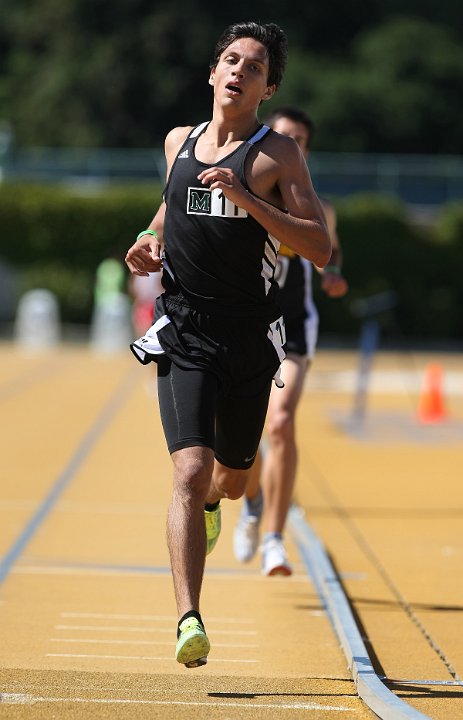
[294, 276]
[214, 378]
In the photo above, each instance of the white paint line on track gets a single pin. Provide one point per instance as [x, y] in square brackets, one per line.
[17, 505]
[114, 628]
[85, 446]
[118, 616]
[87, 571]
[381, 382]
[121, 628]
[169, 618]
[94, 641]
[25, 699]
[138, 657]
[91, 508]
[111, 508]
[369, 686]
[18, 687]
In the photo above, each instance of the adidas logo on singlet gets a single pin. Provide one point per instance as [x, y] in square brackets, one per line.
[184, 154]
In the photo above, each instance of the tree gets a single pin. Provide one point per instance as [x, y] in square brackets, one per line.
[119, 73]
[103, 72]
[399, 92]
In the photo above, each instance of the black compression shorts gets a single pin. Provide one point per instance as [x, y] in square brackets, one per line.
[214, 381]
[195, 411]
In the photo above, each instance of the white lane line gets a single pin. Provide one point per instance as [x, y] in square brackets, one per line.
[105, 418]
[18, 687]
[24, 699]
[383, 381]
[93, 641]
[125, 628]
[117, 616]
[17, 504]
[169, 618]
[137, 657]
[87, 571]
[114, 508]
[370, 688]
[79, 507]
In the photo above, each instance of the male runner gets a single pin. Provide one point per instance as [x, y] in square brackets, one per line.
[278, 468]
[235, 189]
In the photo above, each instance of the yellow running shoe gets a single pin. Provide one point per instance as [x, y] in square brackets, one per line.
[193, 644]
[213, 527]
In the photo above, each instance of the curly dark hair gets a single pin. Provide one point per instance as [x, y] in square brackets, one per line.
[270, 35]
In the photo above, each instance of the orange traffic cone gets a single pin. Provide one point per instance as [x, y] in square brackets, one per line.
[431, 408]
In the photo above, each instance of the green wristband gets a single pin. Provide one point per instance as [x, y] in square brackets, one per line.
[334, 269]
[147, 232]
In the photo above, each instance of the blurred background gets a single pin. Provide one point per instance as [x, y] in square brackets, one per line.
[89, 88]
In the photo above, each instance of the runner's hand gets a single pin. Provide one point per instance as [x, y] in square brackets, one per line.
[225, 179]
[144, 256]
[334, 285]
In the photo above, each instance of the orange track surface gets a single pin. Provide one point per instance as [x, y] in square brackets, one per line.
[87, 614]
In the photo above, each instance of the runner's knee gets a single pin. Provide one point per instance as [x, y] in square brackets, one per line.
[280, 426]
[193, 472]
[230, 483]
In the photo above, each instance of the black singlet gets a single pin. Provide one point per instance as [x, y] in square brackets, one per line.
[218, 254]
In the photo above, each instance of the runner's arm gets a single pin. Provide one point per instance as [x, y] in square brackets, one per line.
[144, 256]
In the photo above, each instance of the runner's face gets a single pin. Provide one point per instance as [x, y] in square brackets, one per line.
[296, 130]
[241, 75]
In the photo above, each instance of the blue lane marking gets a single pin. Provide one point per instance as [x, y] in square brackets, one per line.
[67, 475]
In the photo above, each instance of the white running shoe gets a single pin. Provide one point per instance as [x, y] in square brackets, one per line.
[246, 537]
[274, 558]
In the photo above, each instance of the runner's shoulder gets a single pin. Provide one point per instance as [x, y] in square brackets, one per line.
[176, 137]
[281, 147]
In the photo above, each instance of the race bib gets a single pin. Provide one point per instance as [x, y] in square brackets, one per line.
[202, 201]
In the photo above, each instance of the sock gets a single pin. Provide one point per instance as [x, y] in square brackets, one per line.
[254, 505]
[209, 507]
[190, 613]
[272, 536]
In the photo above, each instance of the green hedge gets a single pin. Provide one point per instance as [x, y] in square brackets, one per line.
[55, 237]
[384, 251]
